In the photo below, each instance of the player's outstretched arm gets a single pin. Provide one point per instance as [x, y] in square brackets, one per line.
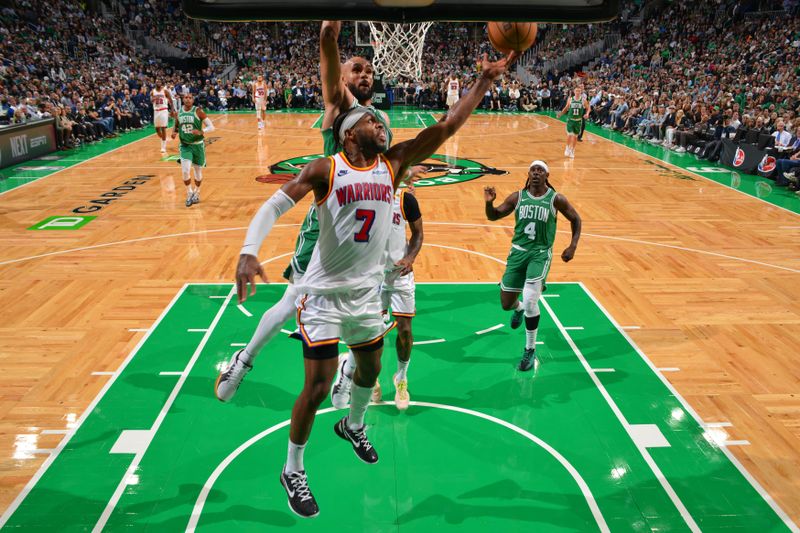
[420, 148]
[314, 177]
[565, 208]
[504, 209]
[334, 93]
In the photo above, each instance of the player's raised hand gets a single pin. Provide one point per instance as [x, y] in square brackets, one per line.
[568, 254]
[246, 272]
[489, 194]
[494, 69]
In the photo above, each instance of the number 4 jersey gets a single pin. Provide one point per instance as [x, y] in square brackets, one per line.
[355, 219]
[536, 221]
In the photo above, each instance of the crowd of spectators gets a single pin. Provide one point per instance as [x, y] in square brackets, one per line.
[693, 71]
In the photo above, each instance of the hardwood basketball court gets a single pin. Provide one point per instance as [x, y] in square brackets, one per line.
[702, 278]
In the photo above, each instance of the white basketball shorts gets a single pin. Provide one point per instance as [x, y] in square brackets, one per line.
[354, 317]
[161, 118]
[397, 292]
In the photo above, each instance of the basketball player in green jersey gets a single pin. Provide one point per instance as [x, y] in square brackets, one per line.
[577, 110]
[190, 127]
[343, 87]
[535, 209]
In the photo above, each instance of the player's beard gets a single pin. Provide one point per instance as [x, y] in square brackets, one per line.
[362, 95]
[369, 143]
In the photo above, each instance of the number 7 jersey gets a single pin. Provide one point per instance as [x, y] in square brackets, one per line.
[536, 221]
[355, 220]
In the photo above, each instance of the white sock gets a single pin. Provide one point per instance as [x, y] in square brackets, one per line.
[271, 323]
[294, 457]
[359, 399]
[402, 370]
[350, 364]
[530, 338]
[519, 306]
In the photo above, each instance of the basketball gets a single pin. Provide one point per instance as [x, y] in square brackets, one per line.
[509, 36]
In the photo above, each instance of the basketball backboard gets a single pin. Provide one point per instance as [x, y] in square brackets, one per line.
[405, 10]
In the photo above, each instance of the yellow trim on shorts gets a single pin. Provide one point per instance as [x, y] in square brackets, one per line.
[306, 338]
[373, 341]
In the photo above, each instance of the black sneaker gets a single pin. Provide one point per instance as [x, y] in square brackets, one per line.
[528, 360]
[301, 501]
[516, 319]
[357, 437]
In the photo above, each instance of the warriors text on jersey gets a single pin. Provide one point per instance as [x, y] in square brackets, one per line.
[309, 231]
[535, 221]
[189, 121]
[354, 223]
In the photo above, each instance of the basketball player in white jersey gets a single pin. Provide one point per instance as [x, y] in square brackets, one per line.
[397, 293]
[344, 86]
[260, 99]
[453, 90]
[340, 290]
[162, 109]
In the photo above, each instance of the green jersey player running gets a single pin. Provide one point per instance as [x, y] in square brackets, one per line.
[577, 110]
[344, 86]
[535, 209]
[191, 126]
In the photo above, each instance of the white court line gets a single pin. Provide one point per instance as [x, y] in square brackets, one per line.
[631, 327]
[487, 330]
[271, 259]
[496, 226]
[434, 341]
[573, 328]
[669, 369]
[197, 330]
[732, 458]
[687, 171]
[137, 330]
[112, 503]
[49, 461]
[169, 373]
[54, 432]
[74, 166]
[239, 344]
[473, 252]
[197, 510]
[625, 239]
[602, 370]
[551, 295]
[241, 308]
[736, 443]
[284, 331]
[718, 424]
[218, 297]
[103, 373]
[687, 517]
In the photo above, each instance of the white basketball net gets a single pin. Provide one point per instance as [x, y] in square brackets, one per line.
[398, 48]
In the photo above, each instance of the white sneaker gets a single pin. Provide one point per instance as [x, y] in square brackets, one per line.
[189, 197]
[228, 381]
[340, 392]
[572, 154]
[377, 393]
[196, 197]
[566, 152]
[261, 125]
[401, 396]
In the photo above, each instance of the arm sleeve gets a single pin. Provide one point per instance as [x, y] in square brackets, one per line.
[411, 210]
[265, 218]
[208, 126]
